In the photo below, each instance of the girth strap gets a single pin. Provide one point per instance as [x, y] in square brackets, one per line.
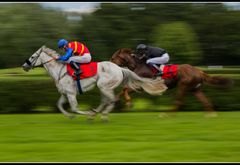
[79, 86]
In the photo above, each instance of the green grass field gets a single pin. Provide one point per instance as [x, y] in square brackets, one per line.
[133, 136]
[127, 137]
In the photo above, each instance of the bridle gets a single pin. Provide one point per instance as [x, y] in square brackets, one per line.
[32, 64]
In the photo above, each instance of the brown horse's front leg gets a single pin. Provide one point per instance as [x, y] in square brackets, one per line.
[127, 97]
[125, 93]
[181, 91]
[119, 95]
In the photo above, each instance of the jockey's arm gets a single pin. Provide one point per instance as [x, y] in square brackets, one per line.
[67, 55]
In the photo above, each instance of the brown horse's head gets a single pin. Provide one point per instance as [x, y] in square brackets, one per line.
[124, 57]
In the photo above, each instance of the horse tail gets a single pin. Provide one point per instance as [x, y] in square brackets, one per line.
[151, 86]
[217, 80]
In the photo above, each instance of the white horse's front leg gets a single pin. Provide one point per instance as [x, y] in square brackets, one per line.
[74, 104]
[60, 103]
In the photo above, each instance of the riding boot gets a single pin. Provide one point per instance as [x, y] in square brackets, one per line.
[160, 73]
[77, 69]
[158, 68]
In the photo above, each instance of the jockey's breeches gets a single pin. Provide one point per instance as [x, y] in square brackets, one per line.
[86, 58]
[159, 60]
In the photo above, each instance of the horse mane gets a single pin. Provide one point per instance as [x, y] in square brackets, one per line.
[122, 50]
[130, 51]
[50, 51]
[126, 50]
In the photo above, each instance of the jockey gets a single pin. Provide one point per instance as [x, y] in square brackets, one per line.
[154, 56]
[76, 52]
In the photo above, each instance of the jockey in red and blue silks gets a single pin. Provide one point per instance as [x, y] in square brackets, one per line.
[76, 52]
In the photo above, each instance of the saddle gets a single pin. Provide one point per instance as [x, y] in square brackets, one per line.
[89, 70]
[169, 71]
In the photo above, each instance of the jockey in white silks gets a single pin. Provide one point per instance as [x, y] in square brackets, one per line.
[154, 56]
[76, 52]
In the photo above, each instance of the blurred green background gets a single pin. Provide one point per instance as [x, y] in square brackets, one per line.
[200, 34]
[205, 35]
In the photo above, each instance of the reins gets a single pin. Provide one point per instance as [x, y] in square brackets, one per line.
[32, 64]
[52, 59]
[49, 61]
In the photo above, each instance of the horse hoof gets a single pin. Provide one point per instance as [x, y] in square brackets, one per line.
[129, 104]
[162, 115]
[211, 115]
[91, 113]
[90, 118]
[104, 119]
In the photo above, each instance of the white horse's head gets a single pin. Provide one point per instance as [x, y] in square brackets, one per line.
[36, 59]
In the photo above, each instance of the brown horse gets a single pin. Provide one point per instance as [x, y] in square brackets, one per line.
[188, 79]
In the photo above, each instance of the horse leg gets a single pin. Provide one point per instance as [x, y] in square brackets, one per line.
[120, 95]
[181, 91]
[60, 104]
[123, 92]
[206, 102]
[93, 112]
[127, 97]
[74, 104]
[109, 94]
[119, 106]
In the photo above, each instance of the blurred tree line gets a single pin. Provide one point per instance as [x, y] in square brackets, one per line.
[194, 33]
[25, 28]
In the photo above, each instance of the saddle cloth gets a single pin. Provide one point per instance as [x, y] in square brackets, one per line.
[169, 71]
[89, 70]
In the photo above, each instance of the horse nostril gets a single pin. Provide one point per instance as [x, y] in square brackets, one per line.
[25, 67]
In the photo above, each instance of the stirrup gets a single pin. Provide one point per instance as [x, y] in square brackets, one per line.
[160, 73]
